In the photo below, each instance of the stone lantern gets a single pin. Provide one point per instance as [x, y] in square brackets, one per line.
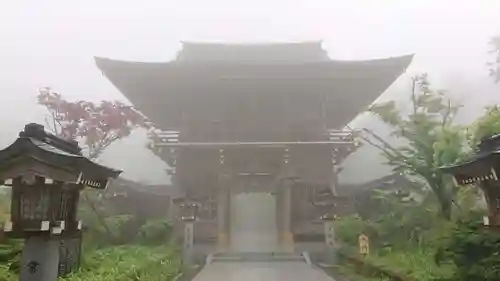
[326, 203]
[481, 170]
[188, 209]
[188, 213]
[46, 175]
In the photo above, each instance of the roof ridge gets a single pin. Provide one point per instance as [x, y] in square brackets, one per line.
[252, 44]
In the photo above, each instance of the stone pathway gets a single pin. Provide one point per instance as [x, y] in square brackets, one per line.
[253, 240]
[261, 271]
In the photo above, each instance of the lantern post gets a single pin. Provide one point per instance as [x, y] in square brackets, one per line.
[188, 213]
[481, 170]
[329, 231]
[47, 174]
[326, 204]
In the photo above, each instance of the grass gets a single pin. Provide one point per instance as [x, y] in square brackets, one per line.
[128, 263]
[351, 274]
[123, 263]
[417, 264]
[5, 275]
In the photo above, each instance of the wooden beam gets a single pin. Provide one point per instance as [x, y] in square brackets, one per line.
[258, 144]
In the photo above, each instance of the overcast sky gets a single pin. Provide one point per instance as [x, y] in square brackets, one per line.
[52, 43]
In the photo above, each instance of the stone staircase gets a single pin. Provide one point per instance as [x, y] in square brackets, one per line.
[259, 257]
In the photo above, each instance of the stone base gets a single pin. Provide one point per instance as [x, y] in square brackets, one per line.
[40, 259]
[287, 242]
[222, 242]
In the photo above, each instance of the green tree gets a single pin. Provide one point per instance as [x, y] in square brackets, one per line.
[430, 139]
[488, 124]
[494, 65]
[485, 126]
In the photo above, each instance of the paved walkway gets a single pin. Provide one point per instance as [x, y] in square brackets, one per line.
[261, 271]
[254, 232]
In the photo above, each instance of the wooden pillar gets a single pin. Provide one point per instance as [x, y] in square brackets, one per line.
[223, 213]
[286, 218]
[279, 214]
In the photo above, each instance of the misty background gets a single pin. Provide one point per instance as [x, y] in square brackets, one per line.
[52, 43]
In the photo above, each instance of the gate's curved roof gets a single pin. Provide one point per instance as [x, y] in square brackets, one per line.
[163, 90]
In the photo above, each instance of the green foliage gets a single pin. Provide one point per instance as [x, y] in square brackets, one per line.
[111, 232]
[430, 138]
[396, 224]
[9, 249]
[351, 272]
[10, 255]
[404, 226]
[128, 263]
[126, 229]
[349, 228]
[116, 224]
[474, 250]
[405, 233]
[155, 232]
[486, 126]
[6, 274]
[414, 264]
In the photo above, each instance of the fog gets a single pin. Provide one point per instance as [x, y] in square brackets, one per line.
[52, 43]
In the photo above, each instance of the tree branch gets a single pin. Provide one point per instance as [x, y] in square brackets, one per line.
[386, 145]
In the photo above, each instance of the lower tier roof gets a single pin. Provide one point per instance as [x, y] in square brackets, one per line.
[167, 92]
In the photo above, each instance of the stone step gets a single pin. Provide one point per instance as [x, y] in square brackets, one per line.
[258, 257]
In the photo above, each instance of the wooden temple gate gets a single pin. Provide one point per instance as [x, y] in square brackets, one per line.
[237, 172]
[259, 118]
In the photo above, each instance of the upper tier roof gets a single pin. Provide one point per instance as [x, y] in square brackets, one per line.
[257, 53]
[203, 76]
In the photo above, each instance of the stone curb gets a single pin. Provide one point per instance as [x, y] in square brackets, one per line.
[178, 276]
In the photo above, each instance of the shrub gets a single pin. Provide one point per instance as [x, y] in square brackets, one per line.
[475, 251]
[113, 232]
[128, 263]
[6, 274]
[349, 228]
[155, 232]
[393, 223]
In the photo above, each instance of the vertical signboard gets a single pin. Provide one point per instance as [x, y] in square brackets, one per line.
[331, 251]
[364, 244]
[188, 243]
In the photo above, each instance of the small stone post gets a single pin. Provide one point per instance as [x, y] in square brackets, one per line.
[330, 249]
[188, 214]
[40, 259]
[188, 251]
